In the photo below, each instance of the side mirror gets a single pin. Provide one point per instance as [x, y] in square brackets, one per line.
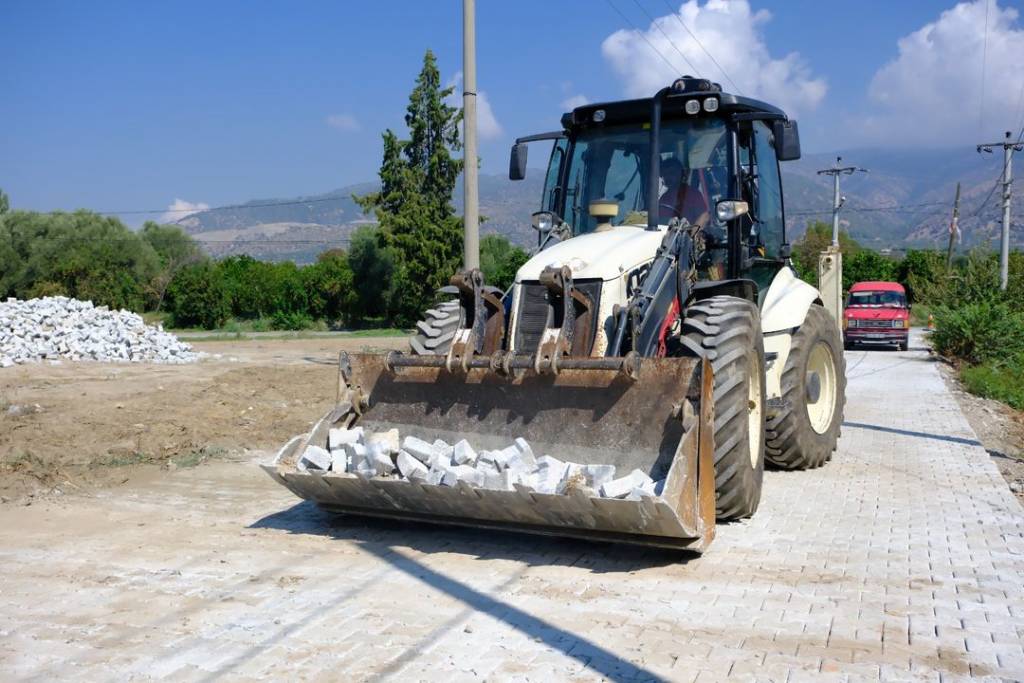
[787, 140]
[517, 161]
[728, 209]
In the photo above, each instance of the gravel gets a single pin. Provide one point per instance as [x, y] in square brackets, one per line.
[58, 328]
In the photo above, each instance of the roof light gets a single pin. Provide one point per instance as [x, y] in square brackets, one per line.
[711, 104]
[599, 116]
[692, 106]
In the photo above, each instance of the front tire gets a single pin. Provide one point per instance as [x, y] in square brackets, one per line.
[727, 331]
[803, 434]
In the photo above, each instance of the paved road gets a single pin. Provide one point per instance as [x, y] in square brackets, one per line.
[903, 559]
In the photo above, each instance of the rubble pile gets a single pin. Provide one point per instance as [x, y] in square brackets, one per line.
[383, 454]
[56, 328]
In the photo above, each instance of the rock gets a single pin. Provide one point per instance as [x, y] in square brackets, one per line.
[338, 438]
[358, 455]
[623, 486]
[463, 454]
[650, 489]
[464, 473]
[315, 457]
[420, 449]
[382, 459]
[587, 478]
[411, 467]
[385, 442]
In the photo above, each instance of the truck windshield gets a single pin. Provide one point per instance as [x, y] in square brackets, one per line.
[877, 298]
[612, 163]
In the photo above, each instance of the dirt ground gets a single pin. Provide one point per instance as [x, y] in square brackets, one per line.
[76, 425]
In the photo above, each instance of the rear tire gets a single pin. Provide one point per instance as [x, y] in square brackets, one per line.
[435, 332]
[727, 331]
[803, 434]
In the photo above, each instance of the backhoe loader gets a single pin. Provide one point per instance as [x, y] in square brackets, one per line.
[659, 327]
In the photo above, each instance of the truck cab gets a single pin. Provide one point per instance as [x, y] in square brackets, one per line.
[877, 314]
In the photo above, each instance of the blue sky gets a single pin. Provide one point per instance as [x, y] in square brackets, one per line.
[124, 105]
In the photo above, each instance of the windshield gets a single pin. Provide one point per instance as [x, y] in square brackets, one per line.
[612, 163]
[877, 298]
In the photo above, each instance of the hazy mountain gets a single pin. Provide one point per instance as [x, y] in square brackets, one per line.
[883, 207]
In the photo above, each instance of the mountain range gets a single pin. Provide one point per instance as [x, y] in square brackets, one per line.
[904, 200]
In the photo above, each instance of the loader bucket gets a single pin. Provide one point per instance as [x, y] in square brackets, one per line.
[659, 420]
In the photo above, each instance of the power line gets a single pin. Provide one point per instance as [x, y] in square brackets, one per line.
[701, 45]
[642, 35]
[670, 41]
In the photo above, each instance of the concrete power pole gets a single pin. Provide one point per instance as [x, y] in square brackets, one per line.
[1009, 147]
[954, 229]
[837, 199]
[471, 210]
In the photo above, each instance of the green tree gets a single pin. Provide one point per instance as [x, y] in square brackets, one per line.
[813, 242]
[198, 297]
[867, 265]
[375, 282]
[80, 254]
[499, 260]
[413, 208]
[175, 249]
[5, 203]
[328, 284]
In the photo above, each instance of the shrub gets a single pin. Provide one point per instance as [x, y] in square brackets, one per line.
[290, 320]
[978, 332]
[1002, 381]
[198, 297]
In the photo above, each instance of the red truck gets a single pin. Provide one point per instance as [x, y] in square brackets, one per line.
[876, 313]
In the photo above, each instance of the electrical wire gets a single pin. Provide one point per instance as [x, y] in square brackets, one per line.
[670, 41]
[701, 45]
[642, 35]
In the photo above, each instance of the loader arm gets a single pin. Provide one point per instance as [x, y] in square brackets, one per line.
[651, 310]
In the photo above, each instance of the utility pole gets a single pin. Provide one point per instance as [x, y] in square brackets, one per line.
[1009, 147]
[837, 199]
[471, 209]
[954, 229]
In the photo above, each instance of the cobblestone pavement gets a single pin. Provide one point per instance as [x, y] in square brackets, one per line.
[903, 559]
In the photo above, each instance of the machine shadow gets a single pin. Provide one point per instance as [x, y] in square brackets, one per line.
[535, 550]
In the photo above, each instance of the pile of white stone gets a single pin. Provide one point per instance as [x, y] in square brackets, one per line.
[381, 454]
[55, 327]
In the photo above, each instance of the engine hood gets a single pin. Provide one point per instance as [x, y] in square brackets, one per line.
[605, 255]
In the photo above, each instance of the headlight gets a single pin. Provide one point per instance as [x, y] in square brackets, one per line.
[897, 323]
[692, 106]
[711, 104]
[542, 221]
[851, 322]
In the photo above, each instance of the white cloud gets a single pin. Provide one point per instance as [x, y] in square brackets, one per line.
[344, 122]
[487, 126]
[932, 92]
[180, 208]
[570, 103]
[731, 31]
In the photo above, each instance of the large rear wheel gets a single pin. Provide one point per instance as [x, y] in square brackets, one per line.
[727, 331]
[804, 431]
[435, 332]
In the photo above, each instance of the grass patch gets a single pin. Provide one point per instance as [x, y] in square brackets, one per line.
[1002, 381]
[126, 459]
[241, 335]
[198, 456]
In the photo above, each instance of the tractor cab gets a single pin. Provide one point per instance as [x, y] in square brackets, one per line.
[694, 153]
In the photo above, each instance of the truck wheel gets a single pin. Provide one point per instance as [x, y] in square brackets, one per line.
[727, 331]
[803, 434]
[434, 333]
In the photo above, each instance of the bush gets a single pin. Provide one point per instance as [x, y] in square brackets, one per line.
[978, 332]
[866, 266]
[290, 320]
[198, 297]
